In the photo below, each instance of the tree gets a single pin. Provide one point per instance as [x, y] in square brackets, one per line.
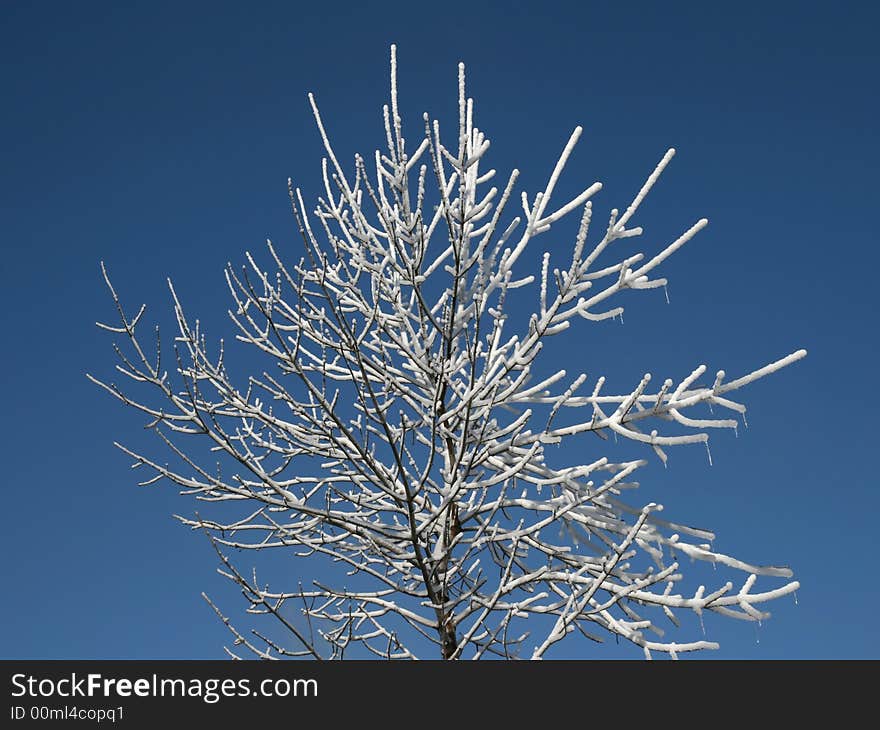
[397, 442]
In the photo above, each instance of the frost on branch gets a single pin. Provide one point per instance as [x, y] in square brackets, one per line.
[395, 443]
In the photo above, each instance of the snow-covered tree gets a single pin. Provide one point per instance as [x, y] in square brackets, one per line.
[396, 443]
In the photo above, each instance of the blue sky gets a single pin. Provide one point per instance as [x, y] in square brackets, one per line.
[159, 138]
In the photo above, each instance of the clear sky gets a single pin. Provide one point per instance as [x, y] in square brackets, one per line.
[158, 137]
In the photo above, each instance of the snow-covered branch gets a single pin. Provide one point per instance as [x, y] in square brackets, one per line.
[396, 438]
